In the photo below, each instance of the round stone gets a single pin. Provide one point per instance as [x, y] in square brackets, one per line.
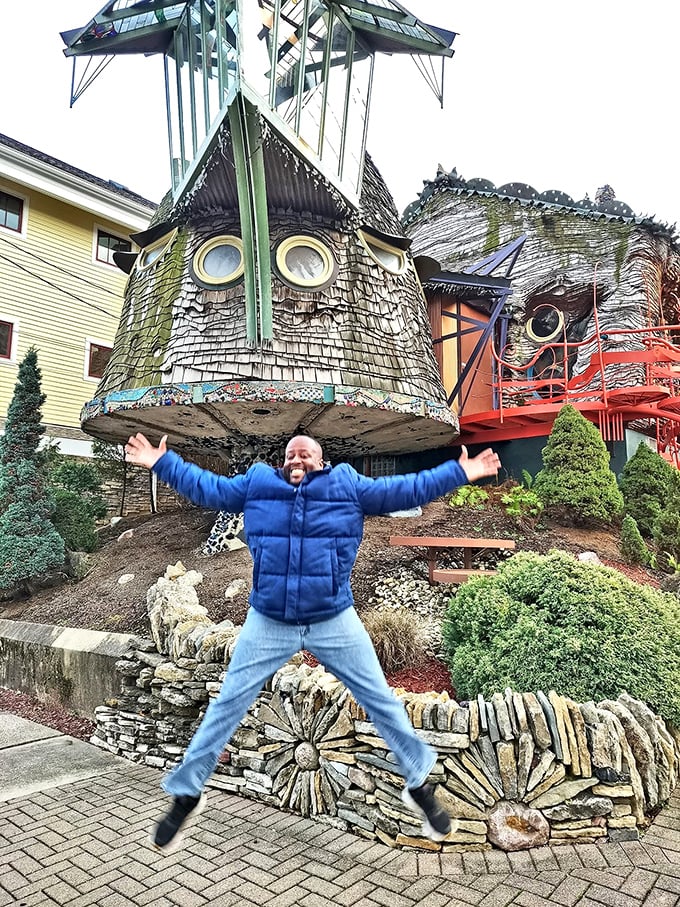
[307, 756]
[516, 826]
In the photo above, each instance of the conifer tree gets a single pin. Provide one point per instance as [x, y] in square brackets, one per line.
[576, 484]
[649, 485]
[30, 546]
[632, 545]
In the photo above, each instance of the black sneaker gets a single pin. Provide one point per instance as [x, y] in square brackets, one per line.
[436, 821]
[167, 835]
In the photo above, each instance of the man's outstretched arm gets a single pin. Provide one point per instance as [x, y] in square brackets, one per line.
[199, 485]
[400, 492]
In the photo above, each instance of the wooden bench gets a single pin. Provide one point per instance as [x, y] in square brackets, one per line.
[435, 545]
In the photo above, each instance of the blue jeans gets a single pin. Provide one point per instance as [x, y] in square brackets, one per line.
[344, 647]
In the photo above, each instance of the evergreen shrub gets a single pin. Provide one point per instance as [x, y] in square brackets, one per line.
[632, 546]
[648, 483]
[666, 534]
[74, 521]
[30, 546]
[576, 484]
[551, 622]
[79, 504]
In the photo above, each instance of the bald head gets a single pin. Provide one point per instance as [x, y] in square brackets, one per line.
[303, 455]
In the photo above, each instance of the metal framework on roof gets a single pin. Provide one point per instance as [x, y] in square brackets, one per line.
[305, 64]
[142, 26]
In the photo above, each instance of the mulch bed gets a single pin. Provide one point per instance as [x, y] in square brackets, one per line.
[428, 675]
[43, 713]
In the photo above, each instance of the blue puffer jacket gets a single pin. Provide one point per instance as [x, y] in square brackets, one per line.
[304, 539]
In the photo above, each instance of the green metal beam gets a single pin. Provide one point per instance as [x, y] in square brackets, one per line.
[255, 141]
[237, 129]
[246, 136]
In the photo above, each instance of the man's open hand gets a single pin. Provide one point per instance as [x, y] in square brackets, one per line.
[141, 452]
[486, 463]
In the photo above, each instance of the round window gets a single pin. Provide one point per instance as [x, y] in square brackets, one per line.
[151, 254]
[388, 257]
[546, 324]
[304, 261]
[218, 262]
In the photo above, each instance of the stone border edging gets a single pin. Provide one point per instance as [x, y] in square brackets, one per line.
[515, 771]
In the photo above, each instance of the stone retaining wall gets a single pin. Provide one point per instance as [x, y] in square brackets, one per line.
[515, 770]
[73, 668]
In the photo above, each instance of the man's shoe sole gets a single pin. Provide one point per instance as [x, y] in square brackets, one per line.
[428, 830]
[176, 842]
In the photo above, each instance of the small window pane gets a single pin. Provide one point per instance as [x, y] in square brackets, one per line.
[148, 258]
[99, 357]
[11, 209]
[107, 244]
[389, 257]
[382, 465]
[221, 261]
[305, 262]
[391, 260]
[153, 253]
[5, 339]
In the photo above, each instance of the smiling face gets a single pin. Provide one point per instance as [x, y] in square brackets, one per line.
[303, 455]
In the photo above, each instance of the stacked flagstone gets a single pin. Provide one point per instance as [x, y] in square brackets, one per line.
[515, 770]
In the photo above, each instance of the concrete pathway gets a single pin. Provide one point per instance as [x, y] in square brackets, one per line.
[74, 825]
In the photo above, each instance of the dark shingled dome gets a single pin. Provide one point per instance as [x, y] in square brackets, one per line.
[518, 190]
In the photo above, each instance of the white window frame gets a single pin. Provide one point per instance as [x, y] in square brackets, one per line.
[105, 229]
[24, 213]
[89, 343]
[15, 338]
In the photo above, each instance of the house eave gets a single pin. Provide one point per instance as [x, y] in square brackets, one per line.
[49, 180]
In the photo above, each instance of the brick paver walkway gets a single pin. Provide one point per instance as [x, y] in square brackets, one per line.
[86, 844]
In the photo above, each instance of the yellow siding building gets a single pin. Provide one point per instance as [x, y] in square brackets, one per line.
[60, 290]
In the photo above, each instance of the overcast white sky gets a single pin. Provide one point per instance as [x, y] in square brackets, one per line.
[561, 96]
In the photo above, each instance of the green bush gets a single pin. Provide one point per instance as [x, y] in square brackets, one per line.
[473, 496]
[30, 547]
[576, 484]
[523, 505]
[666, 533]
[632, 546]
[551, 622]
[648, 483]
[396, 636]
[79, 504]
[73, 521]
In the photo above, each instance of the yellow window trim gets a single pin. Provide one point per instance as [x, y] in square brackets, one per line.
[222, 240]
[311, 242]
[367, 241]
[163, 243]
[556, 333]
